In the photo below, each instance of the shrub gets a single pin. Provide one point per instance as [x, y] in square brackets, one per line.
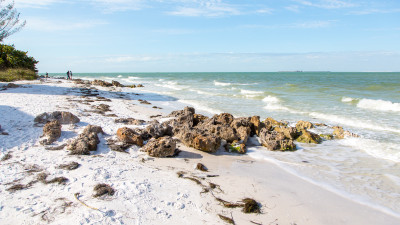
[13, 58]
[17, 74]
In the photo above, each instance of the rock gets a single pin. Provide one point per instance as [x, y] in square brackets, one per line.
[339, 133]
[309, 137]
[195, 138]
[243, 133]
[102, 83]
[51, 131]
[304, 125]
[274, 140]
[144, 102]
[129, 136]
[117, 84]
[270, 123]
[12, 85]
[241, 122]
[236, 147]
[201, 167]
[102, 108]
[87, 141]
[289, 132]
[156, 130]
[182, 117]
[206, 143]
[161, 147]
[139, 85]
[223, 118]
[326, 136]
[62, 117]
[256, 125]
[130, 121]
[198, 118]
[224, 132]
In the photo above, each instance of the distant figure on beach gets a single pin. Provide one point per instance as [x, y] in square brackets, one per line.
[68, 75]
[47, 75]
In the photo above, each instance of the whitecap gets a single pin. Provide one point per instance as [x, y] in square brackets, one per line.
[348, 99]
[216, 83]
[353, 122]
[200, 106]
[271, 99]
[242, 91]
[383, 150]
[380, 105]
[119, 76]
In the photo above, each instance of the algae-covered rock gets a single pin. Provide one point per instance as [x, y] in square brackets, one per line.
[309, 137]
[237, 147]
[326, 136]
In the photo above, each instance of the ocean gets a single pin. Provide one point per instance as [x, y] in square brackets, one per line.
[364, 169]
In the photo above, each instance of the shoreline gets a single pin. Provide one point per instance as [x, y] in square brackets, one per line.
[328, 208]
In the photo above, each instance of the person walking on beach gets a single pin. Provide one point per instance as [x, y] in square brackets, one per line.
[68, 75]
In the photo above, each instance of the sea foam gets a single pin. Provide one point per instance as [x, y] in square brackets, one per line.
[217, 83]
[380, 105]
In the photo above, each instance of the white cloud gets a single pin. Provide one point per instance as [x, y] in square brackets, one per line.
[35, 3]
[207, 8]
[110, 6]
[40, 24]
[326, 4]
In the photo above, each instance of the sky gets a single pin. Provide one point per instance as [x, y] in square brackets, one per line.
[210, 35]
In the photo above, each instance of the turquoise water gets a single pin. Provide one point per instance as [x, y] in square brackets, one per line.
[366, 169]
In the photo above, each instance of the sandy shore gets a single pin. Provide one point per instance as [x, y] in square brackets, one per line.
[148, 190]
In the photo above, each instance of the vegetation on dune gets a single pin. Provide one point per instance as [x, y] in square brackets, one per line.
[14, 64]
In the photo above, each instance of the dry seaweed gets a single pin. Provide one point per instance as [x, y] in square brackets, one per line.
[6, 156]
[69, 166]
[251, 206]
[17, 187]
[227, 204]
[201, 167]
[33, 168]
[193, 179]
[102, 189]
[56, 148]
[226, 219]
[180, 173]
[59, 180]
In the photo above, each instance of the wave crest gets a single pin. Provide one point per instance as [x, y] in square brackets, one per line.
[380, 105]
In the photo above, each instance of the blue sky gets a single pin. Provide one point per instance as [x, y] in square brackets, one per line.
[210, 35]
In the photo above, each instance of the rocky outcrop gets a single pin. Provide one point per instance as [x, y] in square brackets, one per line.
[223, 118]
[160, 147]
[51, 132]
[102, 83]
[116, 84]
[304, 125]
[309, 137]
[62, 117]
[270, 123]
[339, 133]
[129, 136]
[274, 140]
[87, 141]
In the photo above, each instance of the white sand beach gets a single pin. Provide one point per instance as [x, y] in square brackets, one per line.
[148, 190]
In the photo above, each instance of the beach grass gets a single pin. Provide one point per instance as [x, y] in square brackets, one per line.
[10, 75]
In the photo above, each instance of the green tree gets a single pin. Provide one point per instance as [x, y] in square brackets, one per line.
[9, 20]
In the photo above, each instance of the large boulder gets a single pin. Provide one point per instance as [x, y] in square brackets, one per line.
[274, 140]
[304, 125]
[87, 141]
[51, 132]
[224, 132]
[129, 136]
[161, 147]
[62, 117]
[200, 140]
[156, 130]
[270, 123]
[309, 137]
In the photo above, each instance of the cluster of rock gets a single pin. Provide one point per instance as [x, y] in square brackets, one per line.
[193, 130]
[113, 83]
